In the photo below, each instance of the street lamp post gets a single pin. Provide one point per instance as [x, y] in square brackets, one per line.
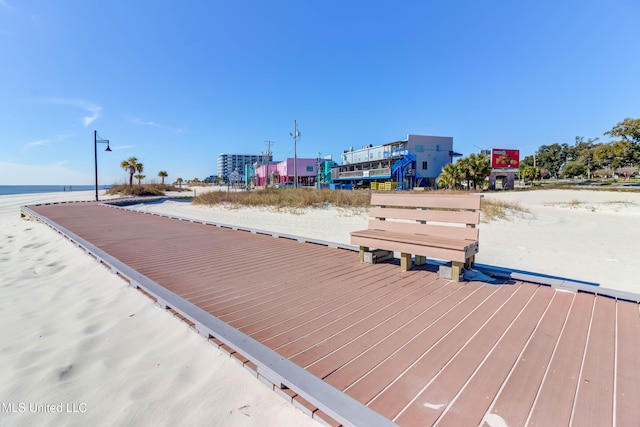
[95, 154]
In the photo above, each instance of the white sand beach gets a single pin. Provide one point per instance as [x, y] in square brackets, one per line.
[75, 337]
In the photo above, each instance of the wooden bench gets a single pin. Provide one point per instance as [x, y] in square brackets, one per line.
[441, 226]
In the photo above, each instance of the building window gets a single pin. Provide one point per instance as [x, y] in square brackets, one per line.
[419, 148]
[424, 165]
[309, 168]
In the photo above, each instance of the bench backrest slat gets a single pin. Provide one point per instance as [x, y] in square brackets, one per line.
[458, 217]
[442, 201]
[454, 232]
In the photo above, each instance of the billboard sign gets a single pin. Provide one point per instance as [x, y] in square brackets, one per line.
[502, 158]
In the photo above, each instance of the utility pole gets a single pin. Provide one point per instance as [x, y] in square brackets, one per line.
[268, 156]
[295, 135]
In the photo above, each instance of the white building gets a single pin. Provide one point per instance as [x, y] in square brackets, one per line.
[228, 163]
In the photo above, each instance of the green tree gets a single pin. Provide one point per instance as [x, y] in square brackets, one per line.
[451, 176]
[465, 169]
[623, 154]
[472, 170]
[139, 177]
[627, 130]
[573, 169]
[163, 175]
[527, 161]
[553, 157]
[179, 181]
[481, 167]
[602, 156]
[530, 172]
[132, 166]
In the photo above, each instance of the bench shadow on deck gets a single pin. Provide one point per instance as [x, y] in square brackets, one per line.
[362, 344]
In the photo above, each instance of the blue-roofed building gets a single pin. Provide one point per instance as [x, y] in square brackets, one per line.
[413, 162]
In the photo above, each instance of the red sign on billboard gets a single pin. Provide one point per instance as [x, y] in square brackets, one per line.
[502, 158]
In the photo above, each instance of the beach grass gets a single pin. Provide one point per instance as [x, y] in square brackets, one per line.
[287, 198]
[493, 210]
[295, 199]
[142, 190]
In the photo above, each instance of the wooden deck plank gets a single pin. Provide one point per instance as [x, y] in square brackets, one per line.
[594, 399]
[627, 366]
[554, 402]
[514, 402]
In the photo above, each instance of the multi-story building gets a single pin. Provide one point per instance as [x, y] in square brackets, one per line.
[415, 161]
[228, 163]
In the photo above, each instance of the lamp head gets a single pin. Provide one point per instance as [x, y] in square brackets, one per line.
[108, 148]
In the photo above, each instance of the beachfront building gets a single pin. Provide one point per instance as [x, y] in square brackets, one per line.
[284, 171]
[412, 162]
[260, 175]
[228, 163]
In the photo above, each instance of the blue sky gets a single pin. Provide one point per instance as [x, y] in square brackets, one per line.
[176, 83]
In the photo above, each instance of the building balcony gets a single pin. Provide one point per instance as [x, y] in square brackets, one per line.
[369, 173]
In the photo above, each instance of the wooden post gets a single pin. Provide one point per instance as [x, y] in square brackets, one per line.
[405, 262]
[421, 260]
[363, 249]
[456, 269]
[470, 262]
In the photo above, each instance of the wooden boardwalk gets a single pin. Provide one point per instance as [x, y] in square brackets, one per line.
[411, 347]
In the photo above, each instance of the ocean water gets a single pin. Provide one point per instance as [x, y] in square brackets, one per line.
[31, 189]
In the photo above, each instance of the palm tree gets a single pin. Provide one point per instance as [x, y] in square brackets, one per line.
[179, 181]
[131, 165]
[139, 177]
[480, 166]
[451, 176]
[163, 175]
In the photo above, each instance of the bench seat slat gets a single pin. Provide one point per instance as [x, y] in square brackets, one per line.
[420, 239]
[453, 232]
[443, 253]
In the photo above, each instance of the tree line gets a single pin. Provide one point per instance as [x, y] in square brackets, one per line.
[589, 158]
[585, 158]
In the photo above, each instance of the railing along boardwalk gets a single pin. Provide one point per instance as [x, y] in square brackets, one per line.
[407, 347]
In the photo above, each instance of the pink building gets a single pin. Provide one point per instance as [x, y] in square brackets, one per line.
[285, 172]
[259, 177]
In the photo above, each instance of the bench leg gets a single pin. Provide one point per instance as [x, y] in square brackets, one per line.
[456, 269]
[363, 249]
[405, 262]
[421, 260]
[470, 262]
